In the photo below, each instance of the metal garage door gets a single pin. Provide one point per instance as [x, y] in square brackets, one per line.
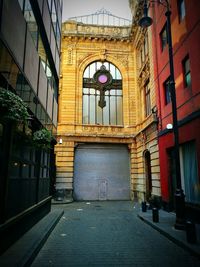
[101, 172]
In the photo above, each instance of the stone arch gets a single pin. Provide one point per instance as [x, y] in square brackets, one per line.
[98, 57]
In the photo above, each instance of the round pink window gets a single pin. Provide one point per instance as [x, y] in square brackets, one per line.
[102, 78]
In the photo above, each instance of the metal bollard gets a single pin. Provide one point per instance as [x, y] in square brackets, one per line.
[144, 206]
[191, 232]
[155, 215]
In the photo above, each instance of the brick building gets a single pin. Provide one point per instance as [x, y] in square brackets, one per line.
[186, 54]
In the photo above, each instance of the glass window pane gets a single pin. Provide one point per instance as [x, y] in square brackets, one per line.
[32, 172]
[49, 3]
[15, 169]
[92, 70]
[42, 53]
[99, 112]
[21, 2]
[107, 65]
[85, 109]
[46, 159]
[118, 74]
[44, 172]
[85, 90]
[190, 172]
[48, 70]
[119, 92]
[167, 92]
[25, 170]
[107, 92]
[98, 65]
[112, 92]
[92, 91]
[41, 172]
[92, 109]
[187, 65]
[30, 19]
[163, 37]
[106, 113]
[112, 71]
[54, 16]
[113, 110]
[181, 9]
[86, 73]
[188, 79]
[119, 111]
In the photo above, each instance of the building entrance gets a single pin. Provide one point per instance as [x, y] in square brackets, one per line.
[101, 172]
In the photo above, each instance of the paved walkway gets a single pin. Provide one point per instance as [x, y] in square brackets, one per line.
[166, 227]
[109, 234]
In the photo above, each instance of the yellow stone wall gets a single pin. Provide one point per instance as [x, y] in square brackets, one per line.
[82, 45]
[146, 139]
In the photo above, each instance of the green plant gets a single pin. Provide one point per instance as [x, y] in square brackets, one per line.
[12, 106]
[42, 137]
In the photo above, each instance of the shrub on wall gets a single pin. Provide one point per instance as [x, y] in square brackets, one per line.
[12, 107]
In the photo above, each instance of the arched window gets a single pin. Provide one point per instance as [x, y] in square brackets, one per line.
[102, 94]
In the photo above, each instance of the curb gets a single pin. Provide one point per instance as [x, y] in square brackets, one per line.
[23, 252]
[170, 237]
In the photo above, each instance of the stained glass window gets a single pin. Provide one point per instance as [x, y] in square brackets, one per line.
[102, 94]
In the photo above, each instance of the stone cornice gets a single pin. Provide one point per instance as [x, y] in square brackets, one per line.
[87, 31]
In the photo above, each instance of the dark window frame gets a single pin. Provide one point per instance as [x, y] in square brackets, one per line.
[147, 96]
[181, 10]
[167, 94]
[186, 72]
[163, 37]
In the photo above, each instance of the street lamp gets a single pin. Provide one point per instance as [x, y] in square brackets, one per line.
[144, 22]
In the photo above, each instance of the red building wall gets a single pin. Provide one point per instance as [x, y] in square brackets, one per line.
[186, 41]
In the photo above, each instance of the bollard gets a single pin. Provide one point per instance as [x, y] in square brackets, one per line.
[155, 215]
[191, 232]
[144, 206]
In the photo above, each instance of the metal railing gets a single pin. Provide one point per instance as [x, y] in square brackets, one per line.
[102, 17]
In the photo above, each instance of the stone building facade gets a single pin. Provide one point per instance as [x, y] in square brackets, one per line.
[105, 151]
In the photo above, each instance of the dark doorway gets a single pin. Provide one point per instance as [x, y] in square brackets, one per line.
[172, 178]
[147, 158]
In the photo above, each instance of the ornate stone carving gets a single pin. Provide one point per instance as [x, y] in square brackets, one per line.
[82, 56]
[70, 57]
[123, 59]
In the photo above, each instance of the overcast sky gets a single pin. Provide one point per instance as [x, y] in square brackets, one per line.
[73, 8]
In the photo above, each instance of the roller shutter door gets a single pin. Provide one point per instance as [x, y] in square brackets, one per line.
[101, 172]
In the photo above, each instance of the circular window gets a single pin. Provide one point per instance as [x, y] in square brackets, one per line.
[102, 78]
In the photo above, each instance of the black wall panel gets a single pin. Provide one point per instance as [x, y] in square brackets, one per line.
[40, 4]
[57, 62]
[55, 112]
[53, 44]
[42, 88]
[13, 29]
[50, 103]
[31, 63]
[47, 20]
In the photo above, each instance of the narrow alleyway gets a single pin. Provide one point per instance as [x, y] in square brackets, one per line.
[108, 234]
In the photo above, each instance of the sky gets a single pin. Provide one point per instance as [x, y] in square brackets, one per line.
[74, 8]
